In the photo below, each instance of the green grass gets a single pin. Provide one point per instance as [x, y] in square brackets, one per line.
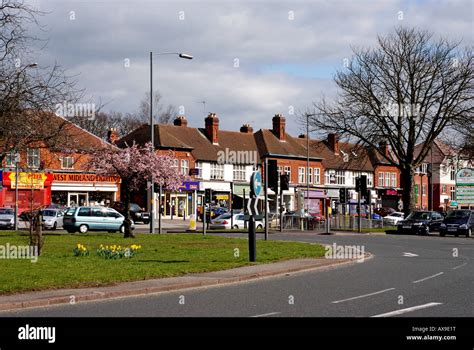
[161, 256]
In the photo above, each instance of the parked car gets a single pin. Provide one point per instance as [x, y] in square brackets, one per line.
[393, 218]
[137, 213]
[224, 222]
[85, 219]
[7, 218]
[213, 213]
[52, 218]
[420, 222]
[458, 222]
[26, 215]
[384, 211]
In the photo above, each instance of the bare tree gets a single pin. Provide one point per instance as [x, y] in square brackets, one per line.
[162, 115]
[405, 92]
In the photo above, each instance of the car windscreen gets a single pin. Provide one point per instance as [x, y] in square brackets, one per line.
[223, 216]
[458, 214]
[70, 212]
[48, 212]
[6, 212]
[419, 215]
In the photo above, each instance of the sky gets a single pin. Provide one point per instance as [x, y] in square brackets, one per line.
[252, 58]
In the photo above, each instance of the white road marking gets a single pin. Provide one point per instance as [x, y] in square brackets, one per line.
[429, 277]
[362, 296]
[459, 266]
[269, 314]
[409, 309]
[410, 255]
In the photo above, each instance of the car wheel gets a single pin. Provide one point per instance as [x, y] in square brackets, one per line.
[83, 228]
[469, 233]
[55, 226]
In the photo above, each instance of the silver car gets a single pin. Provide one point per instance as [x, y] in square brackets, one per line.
[52, 218]
[7, 218]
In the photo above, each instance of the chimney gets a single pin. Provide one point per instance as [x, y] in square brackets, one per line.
[246, 129]
[333, 141]
[384, 149]
[112, 135]
[212, 127]
[279, 126]
[180, 121]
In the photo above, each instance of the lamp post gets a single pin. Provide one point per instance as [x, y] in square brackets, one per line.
[152, 138]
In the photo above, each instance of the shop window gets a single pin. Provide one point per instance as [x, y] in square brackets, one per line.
[67, 163]
[33, 158]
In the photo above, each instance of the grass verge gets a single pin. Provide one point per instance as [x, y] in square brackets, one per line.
[161, 256]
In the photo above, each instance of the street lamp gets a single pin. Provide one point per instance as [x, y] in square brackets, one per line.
[152, 137]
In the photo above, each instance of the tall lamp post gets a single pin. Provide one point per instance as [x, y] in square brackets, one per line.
[152, 138]
[17, 156]
[307, 167]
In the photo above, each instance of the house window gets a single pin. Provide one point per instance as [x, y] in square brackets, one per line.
[317, 176]
[199, 169]
[67, 163]
[381, 179]
[175, 164]
[10, 160]
[184, 166]
[416, 193]
[393, 180]
[423, 190]
[301, 177]
[33, 158]
[217, 171]
[453, 173]
[453, 193]
[424, 168]
[387, 179]
[279, 170]
[239, 172]
[310, 175]
[340, 177]
[288, 172]
[370, 179]
[443, 189]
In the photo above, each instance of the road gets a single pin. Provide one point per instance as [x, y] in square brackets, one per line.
[408, 276]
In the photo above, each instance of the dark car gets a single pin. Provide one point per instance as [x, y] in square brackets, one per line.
[212, 213]
[421, 222]
[137, 213]
[458, 222]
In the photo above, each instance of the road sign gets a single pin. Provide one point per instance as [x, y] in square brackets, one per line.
[256, 183]
[252, 206]
[464, 187]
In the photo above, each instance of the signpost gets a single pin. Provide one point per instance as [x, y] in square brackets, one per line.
[252, 207]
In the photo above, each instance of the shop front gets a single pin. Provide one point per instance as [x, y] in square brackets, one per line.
[181, 203]
[389, 198]
[221, 192]
[34, 190]
[78, 189]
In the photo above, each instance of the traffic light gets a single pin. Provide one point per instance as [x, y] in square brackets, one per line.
[156, 188]
[363, 185]
[208, 196]
[284, 182]
[342, 195]
[272, 175]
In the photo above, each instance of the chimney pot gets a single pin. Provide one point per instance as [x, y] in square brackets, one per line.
[112, 135]
[180, 121]
[333, 141]
[279, 126]
[212, 127]
[246, 129]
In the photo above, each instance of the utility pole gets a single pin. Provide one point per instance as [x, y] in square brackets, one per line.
[17, 160]
[266, 198]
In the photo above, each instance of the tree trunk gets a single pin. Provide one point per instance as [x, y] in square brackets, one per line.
[128, 233]
[407, 174]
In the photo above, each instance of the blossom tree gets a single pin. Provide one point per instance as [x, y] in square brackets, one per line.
[136, 165]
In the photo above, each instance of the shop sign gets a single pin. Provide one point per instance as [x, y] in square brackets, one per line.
[465, 186]
[223, 197]
[35, 181]
[69, 177]
[190, 186]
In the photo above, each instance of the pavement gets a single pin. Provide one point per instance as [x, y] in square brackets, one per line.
[413, 276]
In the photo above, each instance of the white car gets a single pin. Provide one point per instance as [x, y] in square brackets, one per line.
[52, 218]
[393, 218]
[224, 222]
